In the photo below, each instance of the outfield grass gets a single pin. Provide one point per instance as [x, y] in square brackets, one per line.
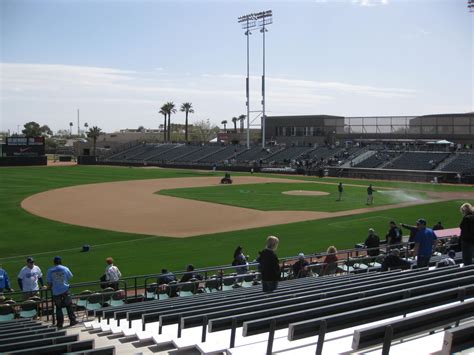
[270, 197]
[24, 234]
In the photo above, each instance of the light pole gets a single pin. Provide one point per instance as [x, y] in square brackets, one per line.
[248, 22]
[264, 18]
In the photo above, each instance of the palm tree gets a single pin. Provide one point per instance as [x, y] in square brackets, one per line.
[94, 133]
[242, 120]
[70, 128]
[169, 110]
[188, 108]
[164, 113]
[234, 121]
[224, 123]
[86, 125]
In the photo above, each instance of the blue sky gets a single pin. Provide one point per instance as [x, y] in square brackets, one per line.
[119, 61]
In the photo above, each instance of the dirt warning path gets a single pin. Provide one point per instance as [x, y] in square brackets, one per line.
[134, 207]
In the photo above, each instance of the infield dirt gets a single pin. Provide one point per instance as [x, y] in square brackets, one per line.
[134, 207]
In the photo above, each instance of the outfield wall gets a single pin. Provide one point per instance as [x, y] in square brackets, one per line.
[23, 160]
[393, 174]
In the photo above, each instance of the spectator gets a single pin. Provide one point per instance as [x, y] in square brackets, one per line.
[438, 226]
[467, 233]
[372, 241]
[330, 261]
[166, 277]
[240, 261]
[425, 241]
[58, 280]
[112, 274]
[394, 235]
[448, 259]
[393, 261]
[28, 278]
[4, 280]
[269, 265]
[370, 195]
[340, 189]
[301, 267]
[190, 274]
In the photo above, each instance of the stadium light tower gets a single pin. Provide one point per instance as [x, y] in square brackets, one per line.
[248, 22]
[470, 5]
[264, 18]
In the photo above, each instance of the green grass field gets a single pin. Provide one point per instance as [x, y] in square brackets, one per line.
[270, 197]
[23, 234]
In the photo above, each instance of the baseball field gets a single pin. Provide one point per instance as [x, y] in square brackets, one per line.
[150, 218]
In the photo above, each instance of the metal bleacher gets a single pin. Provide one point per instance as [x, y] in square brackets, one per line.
[303, 311]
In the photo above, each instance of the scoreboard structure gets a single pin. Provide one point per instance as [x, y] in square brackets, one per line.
[24, 146]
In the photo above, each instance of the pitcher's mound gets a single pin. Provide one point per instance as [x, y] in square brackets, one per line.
[305, 193]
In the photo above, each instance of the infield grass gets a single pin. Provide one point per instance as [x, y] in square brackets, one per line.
[23, 234]
[271, 197]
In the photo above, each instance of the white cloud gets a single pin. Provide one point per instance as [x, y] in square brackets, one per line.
[113, 98]
[370, 3]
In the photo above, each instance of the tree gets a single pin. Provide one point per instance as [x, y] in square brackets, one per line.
[234, 121]
[188, 108]
[141, 129]
[33, 129]
[70, 128]
[164, 113]
[203, 131]
[224, 123]
[242, 120]
[169, 110]
[86, 125]
[94, 133]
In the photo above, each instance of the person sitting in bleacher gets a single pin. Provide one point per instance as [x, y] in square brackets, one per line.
[240, 261]
[166, 277]
[438, 226]
[448, 259]
[393, 261]
[394, 235]
[301, 267]
[372, 241]
[330, 261]
[190, 274]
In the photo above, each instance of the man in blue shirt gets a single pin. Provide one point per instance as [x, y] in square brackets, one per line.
[58, 280]
[425, 241]
[4, 281]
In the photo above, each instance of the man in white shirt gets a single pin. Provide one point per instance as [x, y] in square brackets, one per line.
[112, 273]
[28, 278]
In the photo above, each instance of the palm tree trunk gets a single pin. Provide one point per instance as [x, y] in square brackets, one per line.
[95, 141]
[164, 130]
[169, 127]
[186, 128]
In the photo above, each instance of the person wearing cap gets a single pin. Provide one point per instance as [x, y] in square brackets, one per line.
[394, 234]
[425, 241]
[28, 278]
[301, 267]
[112, 274]
[370, 195]
[4, 280]
[58, 280]
[372, 241]
[190, 274]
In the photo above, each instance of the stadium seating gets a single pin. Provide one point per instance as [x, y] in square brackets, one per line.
[417, 161]
[305, 307]
[463, 162]
[287, 154]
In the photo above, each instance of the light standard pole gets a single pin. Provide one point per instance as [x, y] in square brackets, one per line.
[264, 18]
[248, 22]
